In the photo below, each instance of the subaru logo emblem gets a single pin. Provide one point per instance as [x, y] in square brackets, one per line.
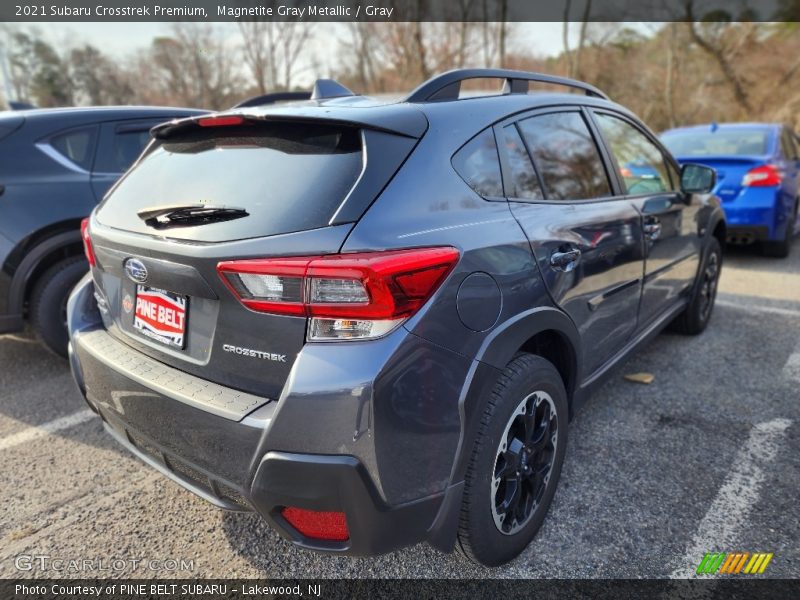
[136, 270]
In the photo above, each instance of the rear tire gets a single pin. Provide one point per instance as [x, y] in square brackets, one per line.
[516, 462]
[695, 317]
[48, 306]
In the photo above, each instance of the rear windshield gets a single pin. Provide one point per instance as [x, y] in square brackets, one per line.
[722, 142]
[287, 177]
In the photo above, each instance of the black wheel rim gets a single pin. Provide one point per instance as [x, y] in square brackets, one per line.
[523, 462]
[708, 288]
[63, 311]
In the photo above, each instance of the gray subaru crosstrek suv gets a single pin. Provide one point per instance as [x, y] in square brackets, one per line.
[371, 322]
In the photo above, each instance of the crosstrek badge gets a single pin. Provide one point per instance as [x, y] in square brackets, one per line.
[160, 315]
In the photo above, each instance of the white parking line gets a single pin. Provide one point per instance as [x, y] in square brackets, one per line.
[773, 310]
[736, 498]
[32, 433]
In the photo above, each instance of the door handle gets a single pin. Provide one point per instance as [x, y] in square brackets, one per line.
[652, 228]
[566, 260]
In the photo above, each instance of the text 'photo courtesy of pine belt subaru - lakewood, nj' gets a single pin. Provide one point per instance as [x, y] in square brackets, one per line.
[371, 322]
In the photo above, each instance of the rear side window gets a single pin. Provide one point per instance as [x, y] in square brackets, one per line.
[77, 146]
[126, 148]
[641, 164]
[287, 176]
[479, 165]
[525, 184]
[565, 156]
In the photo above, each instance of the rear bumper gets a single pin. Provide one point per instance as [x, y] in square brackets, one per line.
[386, 465]
[223, 462]
[758, 214]
[747, 234]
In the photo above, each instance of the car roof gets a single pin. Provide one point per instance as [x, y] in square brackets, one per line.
[728, 126]
[43, 119]
[397, 115]
[410, 115]
[104, 111]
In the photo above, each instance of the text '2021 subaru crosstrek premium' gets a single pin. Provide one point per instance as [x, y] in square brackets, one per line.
[372, 322]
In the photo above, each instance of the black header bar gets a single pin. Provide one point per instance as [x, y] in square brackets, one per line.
[396, 10]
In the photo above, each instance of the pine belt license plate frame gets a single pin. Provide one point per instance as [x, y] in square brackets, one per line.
[161, 315]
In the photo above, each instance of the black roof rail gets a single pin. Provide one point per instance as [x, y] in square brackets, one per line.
[14, 105]
[328, 88]
[447, 86]
[273, 98]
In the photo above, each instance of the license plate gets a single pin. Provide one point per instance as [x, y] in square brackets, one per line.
[160, 315]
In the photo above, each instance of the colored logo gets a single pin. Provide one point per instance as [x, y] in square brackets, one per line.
[734, 563]
[136, 270]
[127, 303]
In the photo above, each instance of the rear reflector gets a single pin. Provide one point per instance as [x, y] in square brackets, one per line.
[87, 242]
[763, 176]
[220, 121]
[329, 526]
[347, 296]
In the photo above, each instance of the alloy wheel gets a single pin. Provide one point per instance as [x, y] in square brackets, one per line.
[523, 462]
[708, 288]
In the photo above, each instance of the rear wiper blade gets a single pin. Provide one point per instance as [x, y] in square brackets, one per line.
[184, 215]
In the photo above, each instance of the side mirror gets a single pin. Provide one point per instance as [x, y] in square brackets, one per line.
[697, 179]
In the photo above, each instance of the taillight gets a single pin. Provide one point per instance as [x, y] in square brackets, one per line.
[87, 242]
[347, 296]
[763, 176]
[319, 525]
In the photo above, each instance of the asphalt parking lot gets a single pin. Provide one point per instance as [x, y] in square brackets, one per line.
[704, 459]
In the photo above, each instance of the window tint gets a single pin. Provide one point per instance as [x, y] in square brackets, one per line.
[525, 184]
[565, 156]
[76, 145]
[675, 176]
[127, 148]
[640, 161]
[287, 176]
[478, 164]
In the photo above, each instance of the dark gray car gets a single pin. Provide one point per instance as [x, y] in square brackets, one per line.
[371, 323]
[55, 166]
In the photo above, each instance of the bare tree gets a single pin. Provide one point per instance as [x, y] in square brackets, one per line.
[194, 66]
[272, 51]
[710, 39]
[362, 46]
[258, 53]
[669, 94]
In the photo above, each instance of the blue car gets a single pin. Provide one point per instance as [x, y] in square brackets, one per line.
[758, 172]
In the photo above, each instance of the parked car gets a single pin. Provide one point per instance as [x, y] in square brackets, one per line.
[758, 177]
[372, 322]
[56, 166]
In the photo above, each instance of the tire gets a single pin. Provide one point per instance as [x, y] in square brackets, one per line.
[48, 304]
[695, 317]
[781, 248]
[531, 383]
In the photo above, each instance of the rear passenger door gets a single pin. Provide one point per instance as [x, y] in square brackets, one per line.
[651, 181]
[586, 239]
[121, 143]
